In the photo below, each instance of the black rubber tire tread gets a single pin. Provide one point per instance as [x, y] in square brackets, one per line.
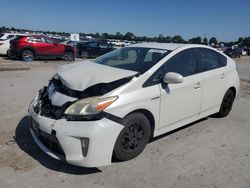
[32, 59]
[119, 152]
[224, 112]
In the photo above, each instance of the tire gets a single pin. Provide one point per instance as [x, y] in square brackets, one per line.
[84, 55]
[28, 55]
[133, 138]
[226, 104]
[69, 56]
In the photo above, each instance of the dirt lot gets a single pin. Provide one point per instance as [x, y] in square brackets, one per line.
[209, 153]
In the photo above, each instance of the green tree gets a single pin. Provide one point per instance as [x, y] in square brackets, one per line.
[205, 40]
[195, 40]
[105, 36]
[97, 35]
[129, 36]
[178, 39]
[213, 40]
[119, 36]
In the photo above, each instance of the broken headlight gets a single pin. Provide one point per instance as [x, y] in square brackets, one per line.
[89, 106]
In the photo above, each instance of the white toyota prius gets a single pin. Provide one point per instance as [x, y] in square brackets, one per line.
[113, 105]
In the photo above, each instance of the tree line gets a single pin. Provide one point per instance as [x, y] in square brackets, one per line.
[242, 41]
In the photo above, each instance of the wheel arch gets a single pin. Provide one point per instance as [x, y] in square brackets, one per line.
[29, 48]
[233, 89]
[149, 116]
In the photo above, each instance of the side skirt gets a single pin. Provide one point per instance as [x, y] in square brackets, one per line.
[184, 122]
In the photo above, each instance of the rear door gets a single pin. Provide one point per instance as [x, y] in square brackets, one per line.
[36, 42]
[213, 78]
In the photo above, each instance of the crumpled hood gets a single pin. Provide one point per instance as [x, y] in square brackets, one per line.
[79, 76]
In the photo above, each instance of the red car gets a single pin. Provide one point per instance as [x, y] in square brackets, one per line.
[30, 47]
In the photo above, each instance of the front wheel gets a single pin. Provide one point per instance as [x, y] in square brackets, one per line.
[133, 138]
[226, 104]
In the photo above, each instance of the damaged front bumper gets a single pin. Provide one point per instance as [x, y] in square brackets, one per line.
[61, 139]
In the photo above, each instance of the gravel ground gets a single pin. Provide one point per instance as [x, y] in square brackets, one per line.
[208, 153]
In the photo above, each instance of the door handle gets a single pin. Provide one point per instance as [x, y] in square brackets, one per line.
[197, 85]
[222, 76]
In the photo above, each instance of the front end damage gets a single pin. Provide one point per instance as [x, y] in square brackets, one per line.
[87, 141]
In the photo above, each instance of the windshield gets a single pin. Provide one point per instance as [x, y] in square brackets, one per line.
[137, 59]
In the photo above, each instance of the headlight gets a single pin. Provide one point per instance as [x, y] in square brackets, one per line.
[89, 106]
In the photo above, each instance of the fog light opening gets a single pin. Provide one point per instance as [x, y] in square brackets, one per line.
[85, 146]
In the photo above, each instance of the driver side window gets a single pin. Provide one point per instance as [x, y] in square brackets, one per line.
[184, 63]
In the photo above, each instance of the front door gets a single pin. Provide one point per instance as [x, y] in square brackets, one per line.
[181, 101]
[52, 48]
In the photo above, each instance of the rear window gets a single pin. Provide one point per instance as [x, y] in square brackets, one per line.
[10, 36]
[223, 60]
[17, 38]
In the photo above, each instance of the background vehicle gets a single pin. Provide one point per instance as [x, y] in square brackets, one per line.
[30, 47]
[93, 49]
[5, 41]
[5, 36]
[236, 52]
[115, 103]
[72, 43]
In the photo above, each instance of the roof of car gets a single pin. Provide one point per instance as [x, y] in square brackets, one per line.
[166, 46]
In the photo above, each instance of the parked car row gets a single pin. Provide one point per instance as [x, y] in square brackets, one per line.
[237, 52]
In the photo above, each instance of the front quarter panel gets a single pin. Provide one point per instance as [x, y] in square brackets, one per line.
[141, 98]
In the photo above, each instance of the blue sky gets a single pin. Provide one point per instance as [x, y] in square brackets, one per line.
[225, 19]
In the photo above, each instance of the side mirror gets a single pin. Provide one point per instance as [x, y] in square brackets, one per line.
[172, 78]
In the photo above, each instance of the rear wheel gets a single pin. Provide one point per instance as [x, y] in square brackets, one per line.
[84, 54]
[69, 56]
[133, 138]
[28, 55]
[226, 104]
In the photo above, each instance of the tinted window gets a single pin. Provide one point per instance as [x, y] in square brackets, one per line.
[208, 59]
[223, 60]
[103, 45]
[93, 44]
[10, 36]
[183, 63]
[48, 41]
[34, 39]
